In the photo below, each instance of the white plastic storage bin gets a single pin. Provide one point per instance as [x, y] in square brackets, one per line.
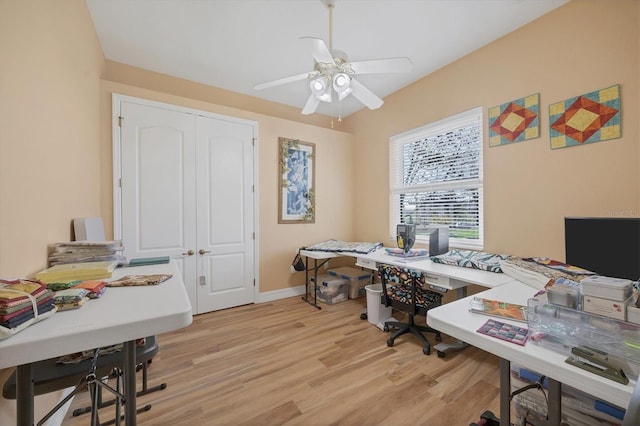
[560, 328]
[332, 289]
[358, 280]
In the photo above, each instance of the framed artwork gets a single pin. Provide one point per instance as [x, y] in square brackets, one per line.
[296, 190]
[592, 117]
[515, 121]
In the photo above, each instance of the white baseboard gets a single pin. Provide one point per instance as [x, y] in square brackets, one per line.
[284, 293]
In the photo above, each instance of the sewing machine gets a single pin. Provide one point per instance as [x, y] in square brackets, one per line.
[405, 236]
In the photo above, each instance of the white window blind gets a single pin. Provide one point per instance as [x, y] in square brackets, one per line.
[435, 175]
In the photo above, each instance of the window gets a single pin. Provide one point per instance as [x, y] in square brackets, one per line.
[435, 176]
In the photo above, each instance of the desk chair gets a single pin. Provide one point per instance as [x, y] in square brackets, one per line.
[49, 376]
[406, 291]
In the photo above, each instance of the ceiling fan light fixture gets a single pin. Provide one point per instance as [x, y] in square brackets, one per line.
[320, 88]
[341, 82]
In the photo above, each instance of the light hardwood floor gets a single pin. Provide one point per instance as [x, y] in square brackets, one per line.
[286, 363]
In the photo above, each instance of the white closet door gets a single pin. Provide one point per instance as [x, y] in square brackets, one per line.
[225, 212]
[158, 187]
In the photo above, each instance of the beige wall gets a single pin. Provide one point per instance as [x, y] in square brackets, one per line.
[49, 136]
[580, 47]
[49, 127]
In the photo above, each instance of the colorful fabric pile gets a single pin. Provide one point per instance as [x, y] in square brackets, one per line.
[96, 288]
[71, 298]
[344, 246]
[22, 303]
[471, 259]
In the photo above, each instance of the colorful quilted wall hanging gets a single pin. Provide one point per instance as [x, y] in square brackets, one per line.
[515, 121]
[589, 118]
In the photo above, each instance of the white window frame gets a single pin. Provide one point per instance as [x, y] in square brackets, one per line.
[397, 187]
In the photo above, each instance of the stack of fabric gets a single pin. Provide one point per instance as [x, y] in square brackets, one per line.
[22, 303]
[96, 288]
[86, 251]
[70, 298]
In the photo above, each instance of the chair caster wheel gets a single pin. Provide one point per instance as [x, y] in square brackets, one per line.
[441, 354]
[385, 328]
[389, 342]
[426, 351]
[363, 316]
[438, 338]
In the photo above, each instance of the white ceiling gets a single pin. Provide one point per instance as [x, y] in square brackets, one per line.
[236, 44]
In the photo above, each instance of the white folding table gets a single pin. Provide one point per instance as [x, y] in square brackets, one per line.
[122, 314]
[456, 320]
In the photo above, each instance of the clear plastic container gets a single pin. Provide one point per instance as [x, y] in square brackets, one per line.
[560, 328]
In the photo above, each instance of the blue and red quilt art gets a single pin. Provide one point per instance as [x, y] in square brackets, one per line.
[514, 121]
[584, 119]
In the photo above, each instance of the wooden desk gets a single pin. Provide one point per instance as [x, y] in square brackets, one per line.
[455, 320]
[122, 314]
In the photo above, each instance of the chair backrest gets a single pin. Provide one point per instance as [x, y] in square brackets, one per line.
[394, 275]
[408, 289]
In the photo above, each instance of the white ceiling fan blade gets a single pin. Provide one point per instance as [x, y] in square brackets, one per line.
[311, 105]
[382, 66]
[365, 95]
[319, 50]
[285, 80]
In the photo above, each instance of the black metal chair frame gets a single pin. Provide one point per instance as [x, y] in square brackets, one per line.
[411, 310]
[49, 376]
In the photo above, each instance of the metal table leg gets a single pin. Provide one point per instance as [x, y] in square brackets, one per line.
[129, 352]
[315, 282]
[24, 395]
[505, 392]
[442, 348]
[555, 390]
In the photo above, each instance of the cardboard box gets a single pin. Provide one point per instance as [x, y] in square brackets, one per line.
[606, 307]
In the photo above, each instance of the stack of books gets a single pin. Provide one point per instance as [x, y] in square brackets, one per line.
[86, 251]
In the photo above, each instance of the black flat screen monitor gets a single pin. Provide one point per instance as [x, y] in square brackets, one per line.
[606, 246]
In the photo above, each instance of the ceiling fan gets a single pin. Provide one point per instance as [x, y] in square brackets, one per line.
[333, 74]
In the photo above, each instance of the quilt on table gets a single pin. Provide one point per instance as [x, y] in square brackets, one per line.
[344, 246]
[541, 272]
[471, 259]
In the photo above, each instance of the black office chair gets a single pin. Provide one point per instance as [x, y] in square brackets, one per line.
[405, 290]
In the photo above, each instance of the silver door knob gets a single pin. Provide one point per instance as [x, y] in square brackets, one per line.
[189, 253]
[203, 251]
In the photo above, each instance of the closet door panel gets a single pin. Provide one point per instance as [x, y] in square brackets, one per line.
[225, 209]
[161, 188]
[158, 187]
[225, 186]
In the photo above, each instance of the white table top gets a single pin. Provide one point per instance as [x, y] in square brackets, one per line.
[121, 314]
[460, 276]
[455, 320]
